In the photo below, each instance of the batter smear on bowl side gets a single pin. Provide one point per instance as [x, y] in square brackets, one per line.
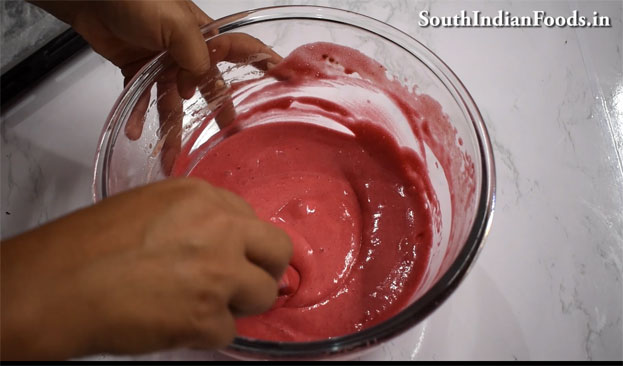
[312, 150]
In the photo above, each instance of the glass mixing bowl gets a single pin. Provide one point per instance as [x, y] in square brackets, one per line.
[148, 125]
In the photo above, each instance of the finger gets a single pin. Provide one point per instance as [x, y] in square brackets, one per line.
[188, 49]
[134, 126]
[170, 115]
[290, 281]
[190, 52]
[267, 246]
[202, 18]
[215, 331]
[227, 114]
[234, 47]
[133, 60]
[218, 97]
[256, 291]
[241, 47]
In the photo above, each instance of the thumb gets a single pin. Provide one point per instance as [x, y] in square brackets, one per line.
[189, 50]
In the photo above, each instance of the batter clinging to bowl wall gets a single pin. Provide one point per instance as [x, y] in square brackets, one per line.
[166, 265]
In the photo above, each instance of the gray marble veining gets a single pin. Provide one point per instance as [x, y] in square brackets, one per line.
[24, 28]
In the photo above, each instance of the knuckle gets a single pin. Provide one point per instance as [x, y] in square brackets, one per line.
[189, 191]
[217, 282]
[172, 22]
[202, 67]
[200, 318]
[225, 227]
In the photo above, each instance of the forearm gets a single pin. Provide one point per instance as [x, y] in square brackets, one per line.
[62, 9]
[36, 321]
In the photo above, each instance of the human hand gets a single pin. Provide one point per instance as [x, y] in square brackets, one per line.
[230, 47]
[162, 266]
[130, 33]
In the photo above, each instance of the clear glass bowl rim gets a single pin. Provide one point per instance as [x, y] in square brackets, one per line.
[441, 290]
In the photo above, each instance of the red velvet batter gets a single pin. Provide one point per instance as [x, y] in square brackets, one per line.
[359, 209]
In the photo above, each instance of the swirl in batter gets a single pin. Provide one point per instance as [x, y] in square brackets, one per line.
[311, 150]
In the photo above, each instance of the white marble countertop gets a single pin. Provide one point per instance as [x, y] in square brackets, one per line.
[547, 284]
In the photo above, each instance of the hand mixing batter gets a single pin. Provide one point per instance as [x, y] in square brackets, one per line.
[358, 207]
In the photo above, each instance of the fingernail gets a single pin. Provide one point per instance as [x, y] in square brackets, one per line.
[188, 93]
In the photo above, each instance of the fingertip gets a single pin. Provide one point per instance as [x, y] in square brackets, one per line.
[186, 84]
[134, 125]
[132, 131]
[186, 93]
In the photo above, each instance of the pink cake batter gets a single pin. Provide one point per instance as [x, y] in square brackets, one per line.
[360, 209]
